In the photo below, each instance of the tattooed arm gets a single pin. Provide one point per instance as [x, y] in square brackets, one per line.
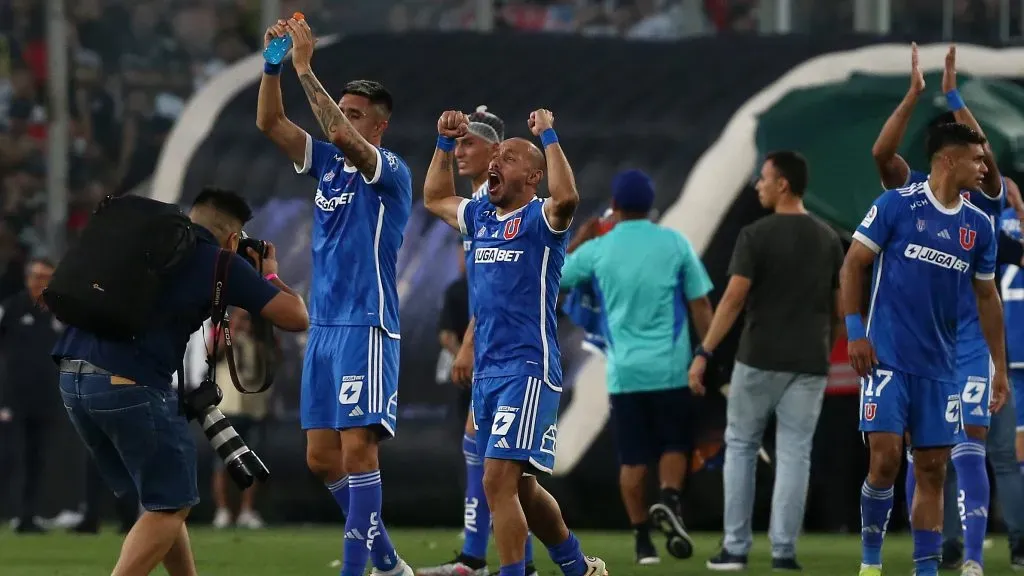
[333, 122]
[439, 188]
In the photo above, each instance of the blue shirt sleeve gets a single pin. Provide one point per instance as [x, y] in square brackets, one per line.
[985, 254]
[468, 211]
[318, 154]
[579, 266]
[695, 280]
[875, 229]
[392, 176]
[245, 288]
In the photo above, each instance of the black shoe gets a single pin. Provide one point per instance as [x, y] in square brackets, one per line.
[785, 564]
[952, 555]
[726, 562]
[86, 527]
[29, 527]
[664, 518]
[646, 554]
[531, 570]
[1017, 555]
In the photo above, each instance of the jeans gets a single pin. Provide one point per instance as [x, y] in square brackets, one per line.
[1006, 474]
[796, 401]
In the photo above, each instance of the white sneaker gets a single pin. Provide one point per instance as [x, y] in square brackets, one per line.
[250, 519]
[595, 566]
[400, 569]
[222, 519]
[972, 568]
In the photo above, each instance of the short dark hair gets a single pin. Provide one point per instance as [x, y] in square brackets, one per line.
[373, 91]
[227, 201]
[946, 117]
[793, 167]
[951, 134]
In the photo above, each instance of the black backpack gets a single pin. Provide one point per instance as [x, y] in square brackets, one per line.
[109, 281]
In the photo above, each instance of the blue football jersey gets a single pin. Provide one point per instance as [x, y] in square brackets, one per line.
[517, 266]
[358, 227]
[467, 245]
[1011, 286]
[927, 255]
[970, 342]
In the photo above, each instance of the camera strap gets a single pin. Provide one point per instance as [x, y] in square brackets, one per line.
[221, 324]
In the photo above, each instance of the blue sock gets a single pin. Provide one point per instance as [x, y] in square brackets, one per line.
[875, 508]
[911, 483]
[972, 475]
[927, 552]
[529, 547]
[364, 523]
[339, 489]
[517, 569]
[476, 521]
[569, 556]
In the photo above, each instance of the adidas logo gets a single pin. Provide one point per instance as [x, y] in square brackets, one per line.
[354, 534]
[357, 411]
[502, 443]
[944, 234]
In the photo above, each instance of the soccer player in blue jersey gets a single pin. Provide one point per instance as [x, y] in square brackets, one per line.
[518, 250]
[473, 153]
[970, 483]
[928, 246]
[349, 395]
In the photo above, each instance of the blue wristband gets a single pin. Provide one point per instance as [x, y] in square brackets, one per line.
[445, 143]
[954, 101]
[272, 69]
[855, 328]
[548, 137]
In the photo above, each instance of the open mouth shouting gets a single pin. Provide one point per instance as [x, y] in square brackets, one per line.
[494, 181]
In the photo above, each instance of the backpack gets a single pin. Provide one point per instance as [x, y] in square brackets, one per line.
[108, 283]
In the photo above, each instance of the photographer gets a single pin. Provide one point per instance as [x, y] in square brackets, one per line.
[118, 393]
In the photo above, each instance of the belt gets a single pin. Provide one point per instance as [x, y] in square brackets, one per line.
[81, 367]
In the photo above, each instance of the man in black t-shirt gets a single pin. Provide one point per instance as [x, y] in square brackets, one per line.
[452, 327]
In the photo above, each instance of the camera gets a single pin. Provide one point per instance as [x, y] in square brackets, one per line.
[259, 246]
[242, 464]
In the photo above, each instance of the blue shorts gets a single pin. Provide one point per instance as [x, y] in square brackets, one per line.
[897, 402]
[649, 424]
[350, 379]
[1017, 383]
[974, 376]
[521, 413]
[136, 436]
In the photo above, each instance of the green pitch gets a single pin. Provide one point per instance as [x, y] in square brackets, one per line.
[313, 551]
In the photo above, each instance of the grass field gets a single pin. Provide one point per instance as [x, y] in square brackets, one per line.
[311, 552]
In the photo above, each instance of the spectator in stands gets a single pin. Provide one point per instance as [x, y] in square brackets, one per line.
[785, 271]
[648, 276]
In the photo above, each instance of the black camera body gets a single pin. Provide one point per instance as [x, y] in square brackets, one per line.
[259, 246]
[242, 464]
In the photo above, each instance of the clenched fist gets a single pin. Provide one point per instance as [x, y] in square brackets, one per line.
[540, 120]
[453, 124]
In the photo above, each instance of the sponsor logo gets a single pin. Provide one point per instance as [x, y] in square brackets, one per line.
[936, 257]
[331, 204]
[492, 255]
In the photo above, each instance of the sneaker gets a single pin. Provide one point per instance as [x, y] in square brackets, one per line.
[222, 519]
[595, 566]
[250, 519]
[667, 520]
[400, 569]
[646, 555]
[29, 527]
[868, 570]
[972, 568]
[779, 564]
[952, 555]
[462, 565]
[726, 562]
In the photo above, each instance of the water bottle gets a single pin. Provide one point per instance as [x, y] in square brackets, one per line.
[280, 46]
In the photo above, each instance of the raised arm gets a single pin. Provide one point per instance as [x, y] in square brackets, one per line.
[270, 118]
[992, 185]
[439, 188]
[892, 168]
[560, 207]
[335, 125]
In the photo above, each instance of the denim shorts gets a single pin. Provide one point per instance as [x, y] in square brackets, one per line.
[136, 436]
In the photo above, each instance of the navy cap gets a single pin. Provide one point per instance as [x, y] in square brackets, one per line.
[633, 191]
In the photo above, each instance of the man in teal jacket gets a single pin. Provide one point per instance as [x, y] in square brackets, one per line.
[646, 277]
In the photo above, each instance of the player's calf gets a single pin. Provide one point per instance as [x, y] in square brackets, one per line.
[973, 490]
[876, 495]
[926, 511]
[545, 518]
